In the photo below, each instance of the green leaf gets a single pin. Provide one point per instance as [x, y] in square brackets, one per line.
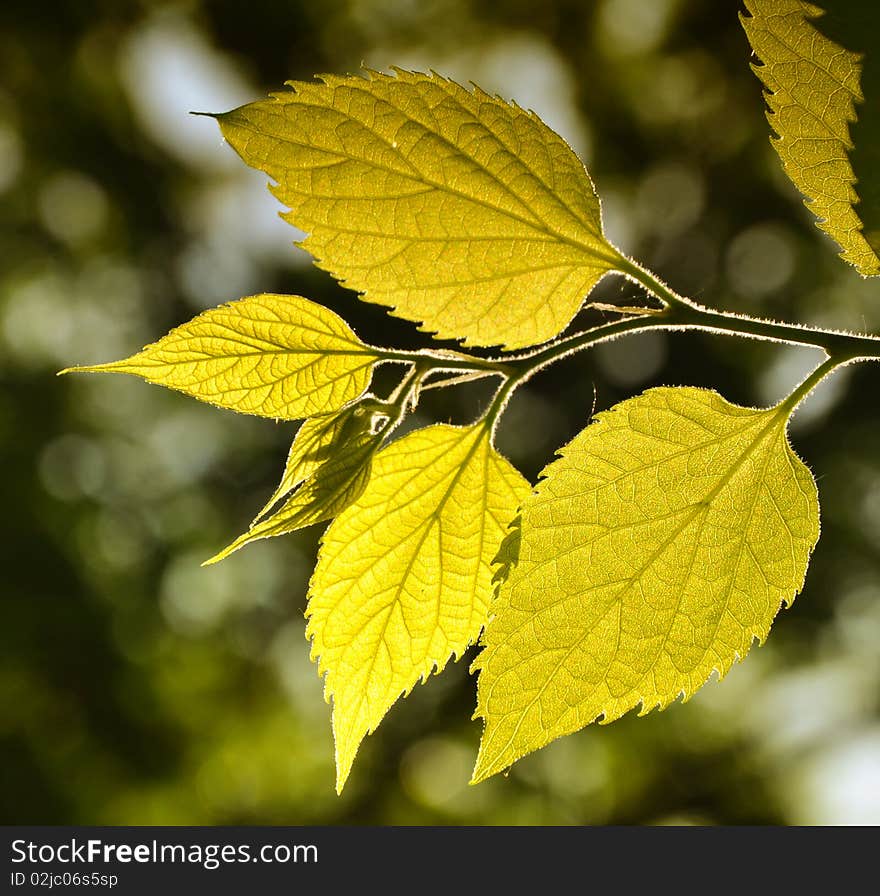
[319, 438]
[655, 549]
[270, 355]
[403, 580]
[332, 486]
[822, 83]
[454, 208]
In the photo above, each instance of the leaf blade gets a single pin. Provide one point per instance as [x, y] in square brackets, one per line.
[451, 207]
[656, 592]
[333, 485]
[319, 438]
[380, 617]
[270, 355]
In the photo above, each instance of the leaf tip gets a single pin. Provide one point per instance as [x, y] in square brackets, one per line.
[483, 769]
[110, 367]
[222, 555]
[477, 775]
[345, 754]
[341, 778]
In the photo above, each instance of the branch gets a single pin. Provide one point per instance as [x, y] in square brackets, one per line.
[678, 313]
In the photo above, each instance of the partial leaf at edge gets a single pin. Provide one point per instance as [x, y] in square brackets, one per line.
[820, 65]
[453, 208]
[270, 355]
[661, 542]
[404, 575]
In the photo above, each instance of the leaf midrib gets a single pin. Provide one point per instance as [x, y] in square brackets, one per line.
[428, 525]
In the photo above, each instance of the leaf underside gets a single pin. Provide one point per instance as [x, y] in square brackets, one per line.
[270, 355]
[453, 208]
[333, 486]
[403, 579]
[658, 546]
[824, 105]
[319, 439]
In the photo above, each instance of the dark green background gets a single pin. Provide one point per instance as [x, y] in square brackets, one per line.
[137, 687]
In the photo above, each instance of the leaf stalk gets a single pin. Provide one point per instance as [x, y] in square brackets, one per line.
[678, 313]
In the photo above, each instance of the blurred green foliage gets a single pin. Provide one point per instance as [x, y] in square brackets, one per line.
[136, 687]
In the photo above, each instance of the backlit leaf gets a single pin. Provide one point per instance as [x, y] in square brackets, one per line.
[403, 580]
[270, 355]
[822, 85]
[658, 546]
[332, 486]
[319, 438]
[454, 208]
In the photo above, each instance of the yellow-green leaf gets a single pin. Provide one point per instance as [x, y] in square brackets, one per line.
[270, 355]
[658, 546]
[819, 102]
[454, 208]
[332, 486]
[404, 575]
[319, 438]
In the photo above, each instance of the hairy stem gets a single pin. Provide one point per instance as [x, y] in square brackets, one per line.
[836, 343]
[689, 315]
[799, 393]
[408, 387]
[678, 313]
[653, 284]
[441, 359]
